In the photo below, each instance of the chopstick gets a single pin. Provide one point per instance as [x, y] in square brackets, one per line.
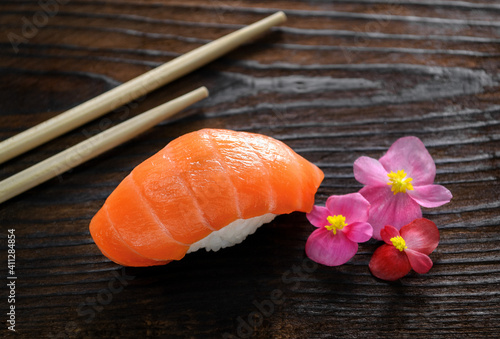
[94, 146]
[133, 89]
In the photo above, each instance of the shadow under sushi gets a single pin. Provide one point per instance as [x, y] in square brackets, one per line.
[210, 294]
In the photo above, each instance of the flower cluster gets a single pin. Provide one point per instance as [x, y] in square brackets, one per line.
[387, 208]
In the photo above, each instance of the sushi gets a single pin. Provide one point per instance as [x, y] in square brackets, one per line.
[206, 189]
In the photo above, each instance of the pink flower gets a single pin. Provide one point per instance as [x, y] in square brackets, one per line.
[399, 183]
[341, 226]
[405, 249]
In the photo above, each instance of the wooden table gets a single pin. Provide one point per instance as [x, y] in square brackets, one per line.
[339, 80]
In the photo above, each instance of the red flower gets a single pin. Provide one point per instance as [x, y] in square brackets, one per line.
[405, 249]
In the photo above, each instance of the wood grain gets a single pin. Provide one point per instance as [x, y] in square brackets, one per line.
[340, 80]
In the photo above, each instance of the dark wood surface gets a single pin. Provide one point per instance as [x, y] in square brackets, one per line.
[339, 80]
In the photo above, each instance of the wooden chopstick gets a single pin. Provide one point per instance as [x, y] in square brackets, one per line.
[133, 89]
[94, 146]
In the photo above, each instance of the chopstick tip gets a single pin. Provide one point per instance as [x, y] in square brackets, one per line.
[205, 91]
[282, 16]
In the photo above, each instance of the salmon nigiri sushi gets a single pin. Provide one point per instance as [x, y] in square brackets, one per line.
[206, 189]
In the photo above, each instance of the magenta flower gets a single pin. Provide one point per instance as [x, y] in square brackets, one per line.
[341, 226]
[405, 249]
[399, 183]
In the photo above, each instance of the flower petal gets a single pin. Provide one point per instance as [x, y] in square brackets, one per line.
[318, 216]
[387, 233]
[354, 207]
[369, 171]
[420, 262]
[409, 154]
[389, 263]
[328, 249]
[389, 209]
[430, 195]
[421, 235]
[358, 231]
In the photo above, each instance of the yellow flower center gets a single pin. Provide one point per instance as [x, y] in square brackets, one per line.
[337, 222]
[399, 243]
[400, 183]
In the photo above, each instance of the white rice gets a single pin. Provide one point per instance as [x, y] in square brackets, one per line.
[232, 234]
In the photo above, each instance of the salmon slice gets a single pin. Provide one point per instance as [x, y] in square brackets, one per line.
[248, 173]
[138, 226]
[170, 198]
[198, 184]
[284, 174]
[112, 246]
[199, 164]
